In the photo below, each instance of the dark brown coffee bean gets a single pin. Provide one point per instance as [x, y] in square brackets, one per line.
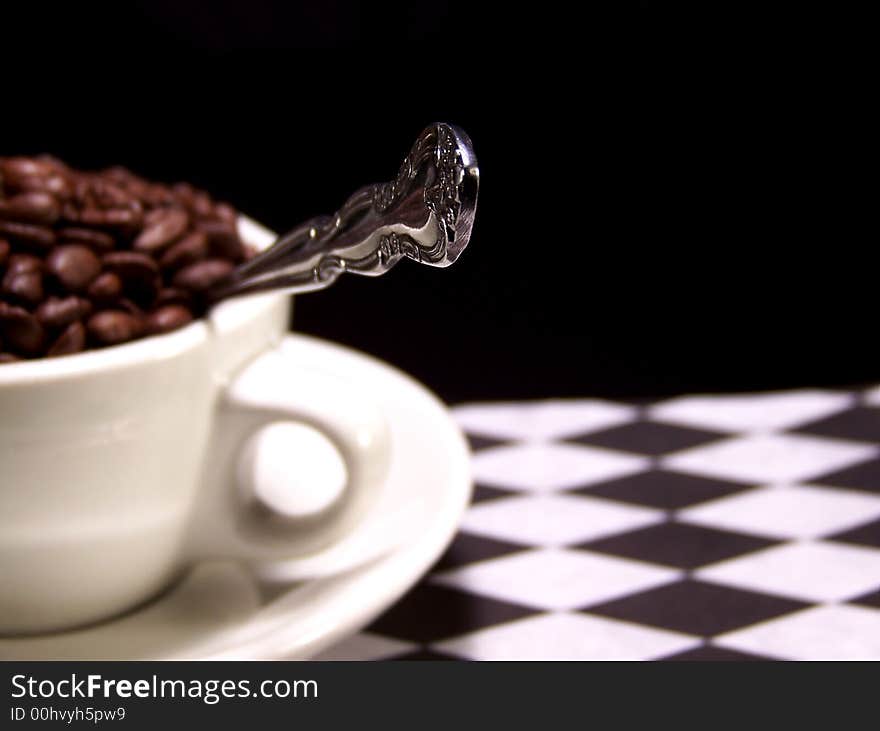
[200, 276]
[40, 238]
[26, 167]
[197, 202]
[106, 288]
[4, 251]
[74, 266]
[168, 318]
[92, 217]
[202, 205]
[173, 296]
[119, 174]
[123, 218]
[156, 196]
[82, 192]
[226, 213]
[72, 340]
[106, 194]
[8, 358]
[131, 264]
[190, 249]
[58, 165]
[69, 214]
[30, 208]
[24, 287]
[21, 263]
[184, 192]
[222, 239]
[162, 228]
[58, 312]
[139, 274]
[56, 185]
[22, 332]
[130, 307]
[110, 327]
[123, 177]
[100, 241]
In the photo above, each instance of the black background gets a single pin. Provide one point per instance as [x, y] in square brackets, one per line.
[652, 219]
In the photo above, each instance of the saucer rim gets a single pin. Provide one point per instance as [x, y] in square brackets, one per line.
[274, 643]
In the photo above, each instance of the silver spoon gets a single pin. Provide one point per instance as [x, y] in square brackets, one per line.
[425, 214]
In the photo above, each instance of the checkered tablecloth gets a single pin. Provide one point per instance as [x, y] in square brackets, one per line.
[698, 527]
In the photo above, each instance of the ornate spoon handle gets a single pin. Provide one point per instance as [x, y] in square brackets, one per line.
[425, 214]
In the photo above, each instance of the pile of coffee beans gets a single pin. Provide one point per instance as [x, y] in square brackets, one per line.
[91, 259]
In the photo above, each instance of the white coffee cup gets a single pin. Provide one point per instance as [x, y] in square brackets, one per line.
[119, 467]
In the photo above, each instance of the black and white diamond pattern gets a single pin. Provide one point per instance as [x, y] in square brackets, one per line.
[698, 528]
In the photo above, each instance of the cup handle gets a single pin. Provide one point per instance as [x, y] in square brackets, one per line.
[230, 522]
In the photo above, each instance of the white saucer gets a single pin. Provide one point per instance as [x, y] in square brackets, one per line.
[225, 611]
